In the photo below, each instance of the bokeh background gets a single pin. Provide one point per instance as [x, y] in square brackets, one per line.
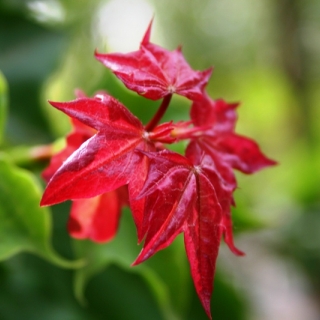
[266, 54]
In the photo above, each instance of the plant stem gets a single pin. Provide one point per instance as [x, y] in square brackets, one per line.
[159, 114]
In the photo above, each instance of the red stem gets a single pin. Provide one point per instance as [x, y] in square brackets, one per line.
[161, 111]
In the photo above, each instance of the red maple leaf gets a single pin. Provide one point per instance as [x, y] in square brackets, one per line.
[181, 197]
[94, 218]
[97, 218]
[112, 159]
[240, 152]
[155, 72]
[79, 134]
[107, 160]
[225, 185]
[227, 150]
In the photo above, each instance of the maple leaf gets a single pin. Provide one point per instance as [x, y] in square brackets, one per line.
[227, 150]
[94, 218]
[225, 184]
[107, 160]
[181, 197]
[155, 72]
[111, 160]
[240, 152]
[97, 218]
[80, 134]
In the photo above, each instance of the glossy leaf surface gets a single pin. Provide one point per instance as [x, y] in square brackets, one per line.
[168, 193]
[74, 140]
[104, 162]
[238, 151]
[97, 218]
[121, 252]
[224, 184]
[101, 164]
[227, 150]
[181, 197]
[155, 72]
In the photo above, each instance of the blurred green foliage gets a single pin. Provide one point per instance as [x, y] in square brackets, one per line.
[3, 105]
[20, 231]
[266, 54]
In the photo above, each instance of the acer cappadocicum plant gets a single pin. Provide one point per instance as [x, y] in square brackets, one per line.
[112, 160]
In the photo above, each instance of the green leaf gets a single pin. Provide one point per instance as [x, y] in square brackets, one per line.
[3, 105]
[24, 226]
[166, 275]
[173, 268]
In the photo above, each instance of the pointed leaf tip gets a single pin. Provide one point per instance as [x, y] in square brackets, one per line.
[229, 241]
[155, 72]
[146, 37]
[207, 308]
[136, 262]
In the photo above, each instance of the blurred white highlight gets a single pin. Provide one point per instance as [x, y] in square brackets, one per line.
[121, 24]
[47, 11]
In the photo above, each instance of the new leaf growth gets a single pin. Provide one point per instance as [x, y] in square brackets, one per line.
[112, 159]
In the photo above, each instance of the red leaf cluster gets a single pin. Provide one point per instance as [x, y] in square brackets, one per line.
[111, 160]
